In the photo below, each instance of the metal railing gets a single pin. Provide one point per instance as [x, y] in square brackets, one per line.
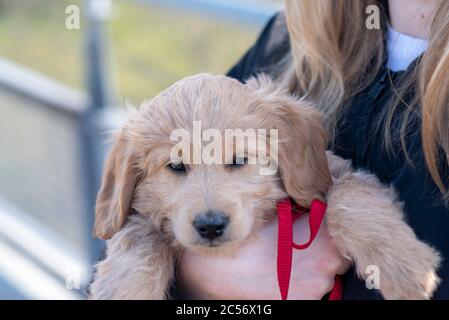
[52, 150]
[254, 12]
[45, 184]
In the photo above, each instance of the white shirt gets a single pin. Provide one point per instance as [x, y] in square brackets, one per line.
[403, 49]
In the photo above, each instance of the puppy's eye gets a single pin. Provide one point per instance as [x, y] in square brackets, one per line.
[177, 166]
[239, 161]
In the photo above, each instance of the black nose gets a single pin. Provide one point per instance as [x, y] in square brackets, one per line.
[211, 225]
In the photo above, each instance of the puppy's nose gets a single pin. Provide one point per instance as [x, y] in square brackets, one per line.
[211, 225]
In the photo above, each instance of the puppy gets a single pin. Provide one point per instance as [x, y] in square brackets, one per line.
[153, 204]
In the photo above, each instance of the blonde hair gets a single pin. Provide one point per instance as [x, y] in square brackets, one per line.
[335, 56]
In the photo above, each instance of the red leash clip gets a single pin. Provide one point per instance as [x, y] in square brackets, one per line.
[286, 244]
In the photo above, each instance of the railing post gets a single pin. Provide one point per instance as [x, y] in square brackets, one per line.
[98, 80]
[94, 123]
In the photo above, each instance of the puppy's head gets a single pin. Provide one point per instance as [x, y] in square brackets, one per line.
[202, 203]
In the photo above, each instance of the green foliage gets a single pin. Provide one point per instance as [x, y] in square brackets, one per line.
[149, 47]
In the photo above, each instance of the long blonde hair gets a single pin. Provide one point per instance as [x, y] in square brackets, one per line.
[332, 50]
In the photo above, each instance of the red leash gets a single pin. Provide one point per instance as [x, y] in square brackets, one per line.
[286, 215]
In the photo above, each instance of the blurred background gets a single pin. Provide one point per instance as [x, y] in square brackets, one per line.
[63, 81]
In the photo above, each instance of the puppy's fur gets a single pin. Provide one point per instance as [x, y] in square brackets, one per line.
[145, 210]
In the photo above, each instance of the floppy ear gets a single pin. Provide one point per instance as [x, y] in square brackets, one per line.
[117, 189]
[302, 153]
[302, 143]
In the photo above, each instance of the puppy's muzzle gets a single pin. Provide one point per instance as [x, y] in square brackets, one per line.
[211, 225]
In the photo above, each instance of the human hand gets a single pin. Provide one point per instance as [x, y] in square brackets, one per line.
[250, 271]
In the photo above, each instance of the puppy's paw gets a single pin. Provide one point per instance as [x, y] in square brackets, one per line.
[412, 278]
[367, 224]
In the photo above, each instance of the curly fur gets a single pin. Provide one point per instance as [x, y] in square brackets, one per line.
[366, 222]
[145, 211]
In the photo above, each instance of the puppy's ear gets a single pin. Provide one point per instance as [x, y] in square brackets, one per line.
[302, 153]
[117, 189]
[302, 142]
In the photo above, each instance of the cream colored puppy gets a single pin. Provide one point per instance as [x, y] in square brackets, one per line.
[151, 207]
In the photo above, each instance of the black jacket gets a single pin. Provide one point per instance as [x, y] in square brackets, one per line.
[360, 140]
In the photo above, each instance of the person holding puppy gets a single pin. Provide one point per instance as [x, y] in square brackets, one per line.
[384, 94]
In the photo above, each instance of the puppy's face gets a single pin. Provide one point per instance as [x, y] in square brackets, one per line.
[203, 204]
[207, 205]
